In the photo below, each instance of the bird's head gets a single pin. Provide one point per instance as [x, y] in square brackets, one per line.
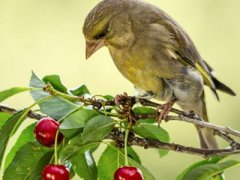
[108, 24]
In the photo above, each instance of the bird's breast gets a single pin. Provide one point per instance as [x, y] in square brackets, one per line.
[136, 70]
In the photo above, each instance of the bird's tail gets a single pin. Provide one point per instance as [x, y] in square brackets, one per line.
[206, 137]
[222, 87]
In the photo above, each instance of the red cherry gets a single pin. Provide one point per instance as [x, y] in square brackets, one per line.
[55, 172]
[128, 173]
[45, 131]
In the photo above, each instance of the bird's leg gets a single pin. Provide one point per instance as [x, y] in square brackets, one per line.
[164, 110]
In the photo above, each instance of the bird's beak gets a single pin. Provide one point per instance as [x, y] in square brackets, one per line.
[93, 46]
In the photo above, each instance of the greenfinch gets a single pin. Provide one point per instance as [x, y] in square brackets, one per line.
[155, 54]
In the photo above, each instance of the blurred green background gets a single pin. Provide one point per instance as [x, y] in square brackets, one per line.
[46, 36]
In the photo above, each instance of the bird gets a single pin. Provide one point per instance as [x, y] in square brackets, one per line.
[156, 55]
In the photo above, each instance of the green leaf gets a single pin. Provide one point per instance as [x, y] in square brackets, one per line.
[110, 160]
[36, 172]
[12, 124]
[97, 128]
[144, 110]
[113, 158]
[85, 166]
[6, 131]
[108, 97]
[80, 91]
[151, 131]
[147, 121]
[25, 161]
[56, 107]
[12, 91]
[219, 177]
[76, 120]
[76, 146]
[25, 137]
[162, 152]
[56, 83]
[36, 82]
[3, 118]
[212, 160]
[206, 171]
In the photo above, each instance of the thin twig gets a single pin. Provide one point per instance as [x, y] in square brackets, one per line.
[226, 137]
[7, 109]
[204, 124]
[30, 114]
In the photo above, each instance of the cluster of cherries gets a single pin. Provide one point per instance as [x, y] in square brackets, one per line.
[45, 133]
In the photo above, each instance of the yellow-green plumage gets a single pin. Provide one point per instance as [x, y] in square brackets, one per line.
[153, 52]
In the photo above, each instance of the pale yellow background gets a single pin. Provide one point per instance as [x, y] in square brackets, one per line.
[46, 36]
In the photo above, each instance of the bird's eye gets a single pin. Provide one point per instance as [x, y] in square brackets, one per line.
[101, 34]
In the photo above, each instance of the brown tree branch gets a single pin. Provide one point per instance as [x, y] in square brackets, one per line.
[125, 103]
[30, 114]
[118, 137]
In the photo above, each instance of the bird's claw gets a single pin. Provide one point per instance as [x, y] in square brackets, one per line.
[164, 110]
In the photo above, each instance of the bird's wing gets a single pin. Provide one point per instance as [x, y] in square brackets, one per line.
[186, 52]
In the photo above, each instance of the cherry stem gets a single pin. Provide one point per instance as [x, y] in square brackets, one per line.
[125, 145]
[54, 92]
[55, 148]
